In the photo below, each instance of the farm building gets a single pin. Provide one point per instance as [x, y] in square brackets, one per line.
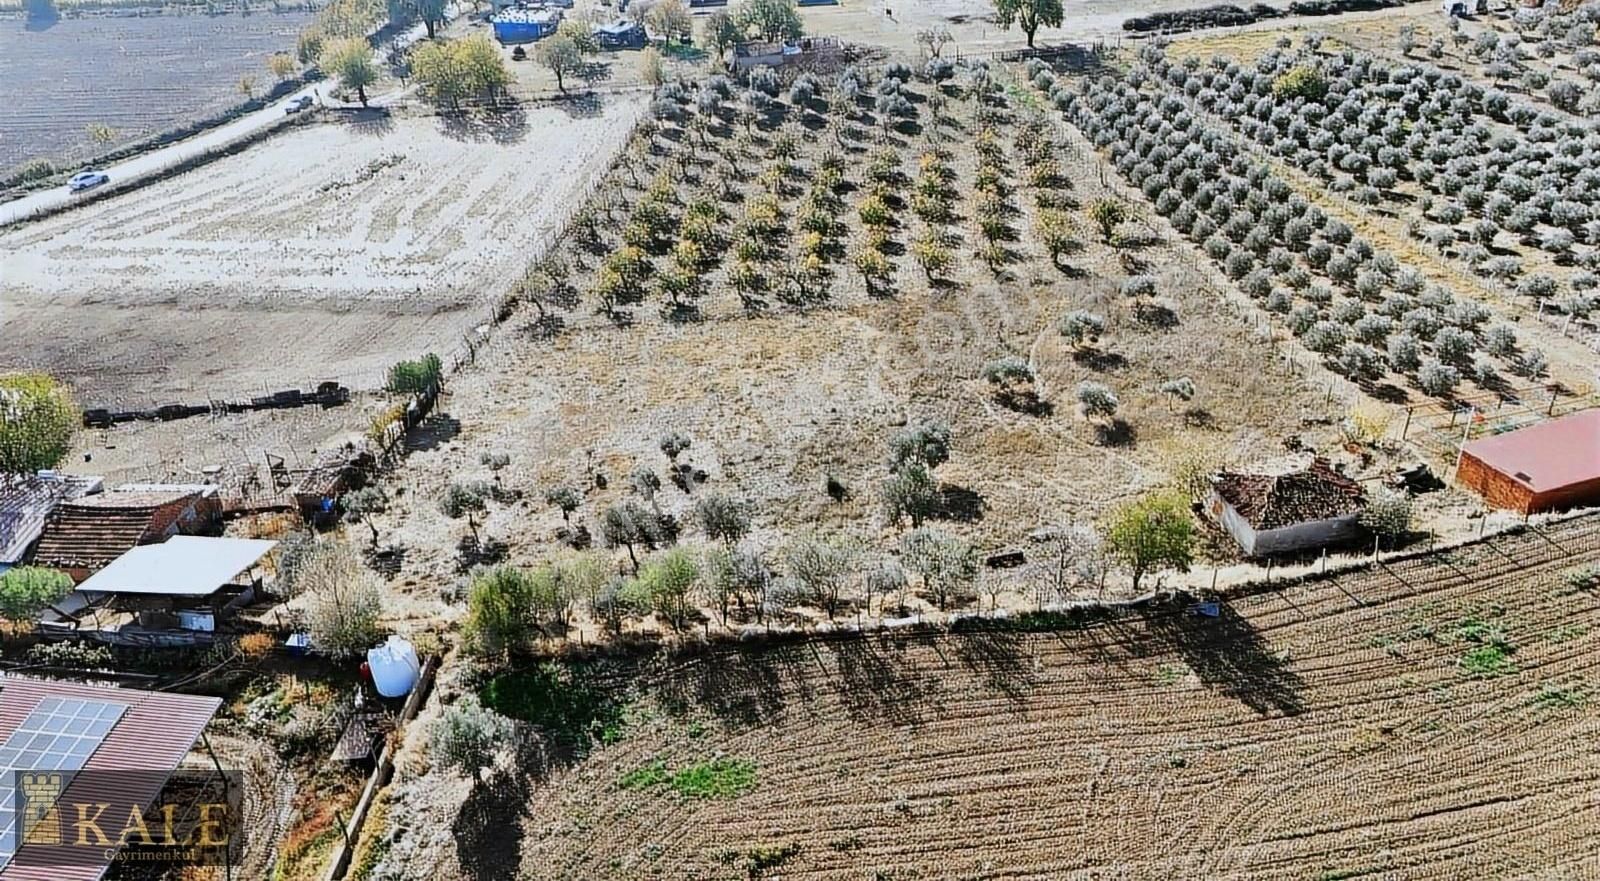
[111, 751]
[83, 536]
[811, 51]
[1552, 465]
[1301, 510]
[525, 24]
[619, 34]
[177, 592]
[25, 504]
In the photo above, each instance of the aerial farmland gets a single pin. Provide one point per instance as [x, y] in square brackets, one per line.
[961, 441]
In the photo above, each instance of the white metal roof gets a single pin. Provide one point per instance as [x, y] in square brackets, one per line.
[184, 565]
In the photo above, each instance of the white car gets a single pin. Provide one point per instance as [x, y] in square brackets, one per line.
[85, 180]
[298, 104]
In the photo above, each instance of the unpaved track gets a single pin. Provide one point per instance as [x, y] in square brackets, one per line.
[326, 253]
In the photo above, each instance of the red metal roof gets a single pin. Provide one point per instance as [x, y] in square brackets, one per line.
[1548, 456]
[155, 734]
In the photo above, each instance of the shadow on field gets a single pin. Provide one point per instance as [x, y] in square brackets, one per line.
[504, 123]
[1231, 658]
[488, 830]
[1001, 658]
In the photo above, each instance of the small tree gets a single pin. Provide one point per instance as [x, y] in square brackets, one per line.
[1108, 214]
[1181, 389]
[359, 506]
[350, 61]
[822, 568]
[671, 19]
[947, 564]
[722, 32]
[1054, 231]
[674, 444]
[669, 582]
[1152, 534]
[627, 525]
[932, 255]
[566, 498]
[934, 39]
[911, 491]
[38, 419]
[343, 598]
[468, 737]
[563, 54]
[927, 444]
[1097, 401]
[466, 499]
[1082, 328]
[28, 590]
[432, 13]
[723, 518]
[500, 613]
[1029, 15]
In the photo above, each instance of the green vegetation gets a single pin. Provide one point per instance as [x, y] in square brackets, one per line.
[1553, 696]
[27, 590]
[1490, 652]
[416, 377]
[567, 702]
[350, 61]
[1152, 534]
[452, 71]
[1028, 15]
[1302, 82]
[717, 778]
[38, 418]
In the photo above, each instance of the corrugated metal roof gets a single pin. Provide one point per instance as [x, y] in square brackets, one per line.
[1548, 456]
[25, 504]
[156, 732]
[184, 565]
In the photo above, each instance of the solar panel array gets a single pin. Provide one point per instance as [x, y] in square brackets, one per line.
[59, 735]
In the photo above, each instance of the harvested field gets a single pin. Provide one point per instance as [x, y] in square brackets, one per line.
[1425, 720]
[327, 253]
[137, 75]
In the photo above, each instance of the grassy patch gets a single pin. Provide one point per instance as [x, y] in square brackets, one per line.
[567, 703]
[1560, 697]
[1167, 674]
[653, 774]
[1490, 652]
[717, 778]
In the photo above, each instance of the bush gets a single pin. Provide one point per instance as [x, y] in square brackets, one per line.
[1300, 82]
[1097, 400]
[468, 736]
[1438, 379]
[1388, 514]
[38, 419]
[344, 599]
[415, 377]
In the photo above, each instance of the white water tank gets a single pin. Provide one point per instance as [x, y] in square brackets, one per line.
[394, 667]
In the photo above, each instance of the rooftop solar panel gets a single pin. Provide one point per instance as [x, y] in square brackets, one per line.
[59, 735]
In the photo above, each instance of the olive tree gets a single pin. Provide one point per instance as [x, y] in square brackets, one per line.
[1151, 534]
[468, 737]
[947, 564]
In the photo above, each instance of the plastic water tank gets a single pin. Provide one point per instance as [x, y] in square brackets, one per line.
[395, 667]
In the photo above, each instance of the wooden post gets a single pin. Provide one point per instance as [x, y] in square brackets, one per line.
[1407, 427]
[1552, 408]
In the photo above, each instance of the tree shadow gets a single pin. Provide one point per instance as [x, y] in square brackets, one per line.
[878, 683]
[502, 123]
[959, 504]
[581, 105]
[1098, 360]
[1116, 433]
[369, 121]
[432, 432]
[1230, 656]
[999, 657]
[488, 829]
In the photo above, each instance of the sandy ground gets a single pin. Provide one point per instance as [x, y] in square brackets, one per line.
[327, 253]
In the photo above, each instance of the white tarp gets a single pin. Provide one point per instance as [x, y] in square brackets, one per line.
[184, 565]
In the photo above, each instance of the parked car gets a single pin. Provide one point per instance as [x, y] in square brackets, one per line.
[298, 104]
[85, 180]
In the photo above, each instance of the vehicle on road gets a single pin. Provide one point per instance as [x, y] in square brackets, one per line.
[301, 103]
[85, 180]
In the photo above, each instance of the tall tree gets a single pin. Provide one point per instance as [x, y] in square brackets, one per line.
[38, 418]
[350, 61]
[1028, 15]
[432, 13]
[772, 20]
[1152, 534]
[722, 32]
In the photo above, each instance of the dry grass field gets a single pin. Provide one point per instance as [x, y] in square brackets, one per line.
[327, 253]
[1424, 720]
[782, 390]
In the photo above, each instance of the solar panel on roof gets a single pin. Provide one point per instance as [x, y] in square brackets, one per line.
[59, 735]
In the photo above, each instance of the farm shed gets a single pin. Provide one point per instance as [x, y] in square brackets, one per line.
[1551, 465]
[27, 501]
[619, 34]
[811, 50]
[114, 747]
[82, 536]
[161, 594]
[525, 25]
[1268, 514]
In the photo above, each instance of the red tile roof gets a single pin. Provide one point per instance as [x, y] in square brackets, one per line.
[26, 502]
[1268, 501]
[91, 532]
[1548, 456]
[154, 734]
